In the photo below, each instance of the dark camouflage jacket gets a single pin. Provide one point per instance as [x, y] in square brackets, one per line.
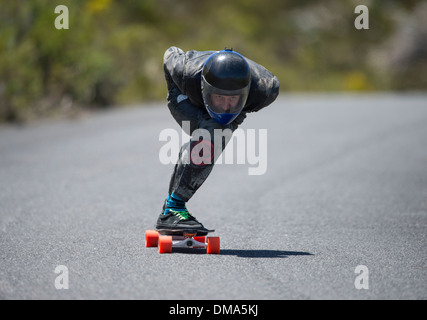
[184, 70]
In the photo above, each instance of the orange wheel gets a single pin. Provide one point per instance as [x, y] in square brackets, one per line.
[165, 244]
[200, 239]
[213, 245]
[151, 238]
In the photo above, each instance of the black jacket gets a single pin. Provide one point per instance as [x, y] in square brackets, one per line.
[184, 70]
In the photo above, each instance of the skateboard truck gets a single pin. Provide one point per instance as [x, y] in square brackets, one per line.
[188, 240]
[184, 239]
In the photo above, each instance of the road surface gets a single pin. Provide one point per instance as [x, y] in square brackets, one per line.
[340, 211]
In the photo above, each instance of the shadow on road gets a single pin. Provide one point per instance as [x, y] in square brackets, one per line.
[249, 253]
[263, 253]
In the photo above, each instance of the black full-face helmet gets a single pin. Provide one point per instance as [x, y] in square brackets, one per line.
[226, 80]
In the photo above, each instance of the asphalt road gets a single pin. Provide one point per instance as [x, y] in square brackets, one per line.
[340, 213]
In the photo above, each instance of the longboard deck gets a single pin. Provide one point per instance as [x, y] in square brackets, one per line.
[172, 232]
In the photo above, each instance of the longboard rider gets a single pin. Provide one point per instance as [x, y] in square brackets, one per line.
[209, 90]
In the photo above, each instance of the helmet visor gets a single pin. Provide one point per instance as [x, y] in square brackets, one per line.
[222, 101]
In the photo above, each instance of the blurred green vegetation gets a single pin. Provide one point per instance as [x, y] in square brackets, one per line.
[112, 53]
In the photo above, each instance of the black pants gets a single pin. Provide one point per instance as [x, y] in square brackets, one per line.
[190, 173]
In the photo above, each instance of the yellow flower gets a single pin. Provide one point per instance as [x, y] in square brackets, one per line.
[95, 6]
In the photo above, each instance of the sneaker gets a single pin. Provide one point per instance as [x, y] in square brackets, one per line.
[178, 220]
